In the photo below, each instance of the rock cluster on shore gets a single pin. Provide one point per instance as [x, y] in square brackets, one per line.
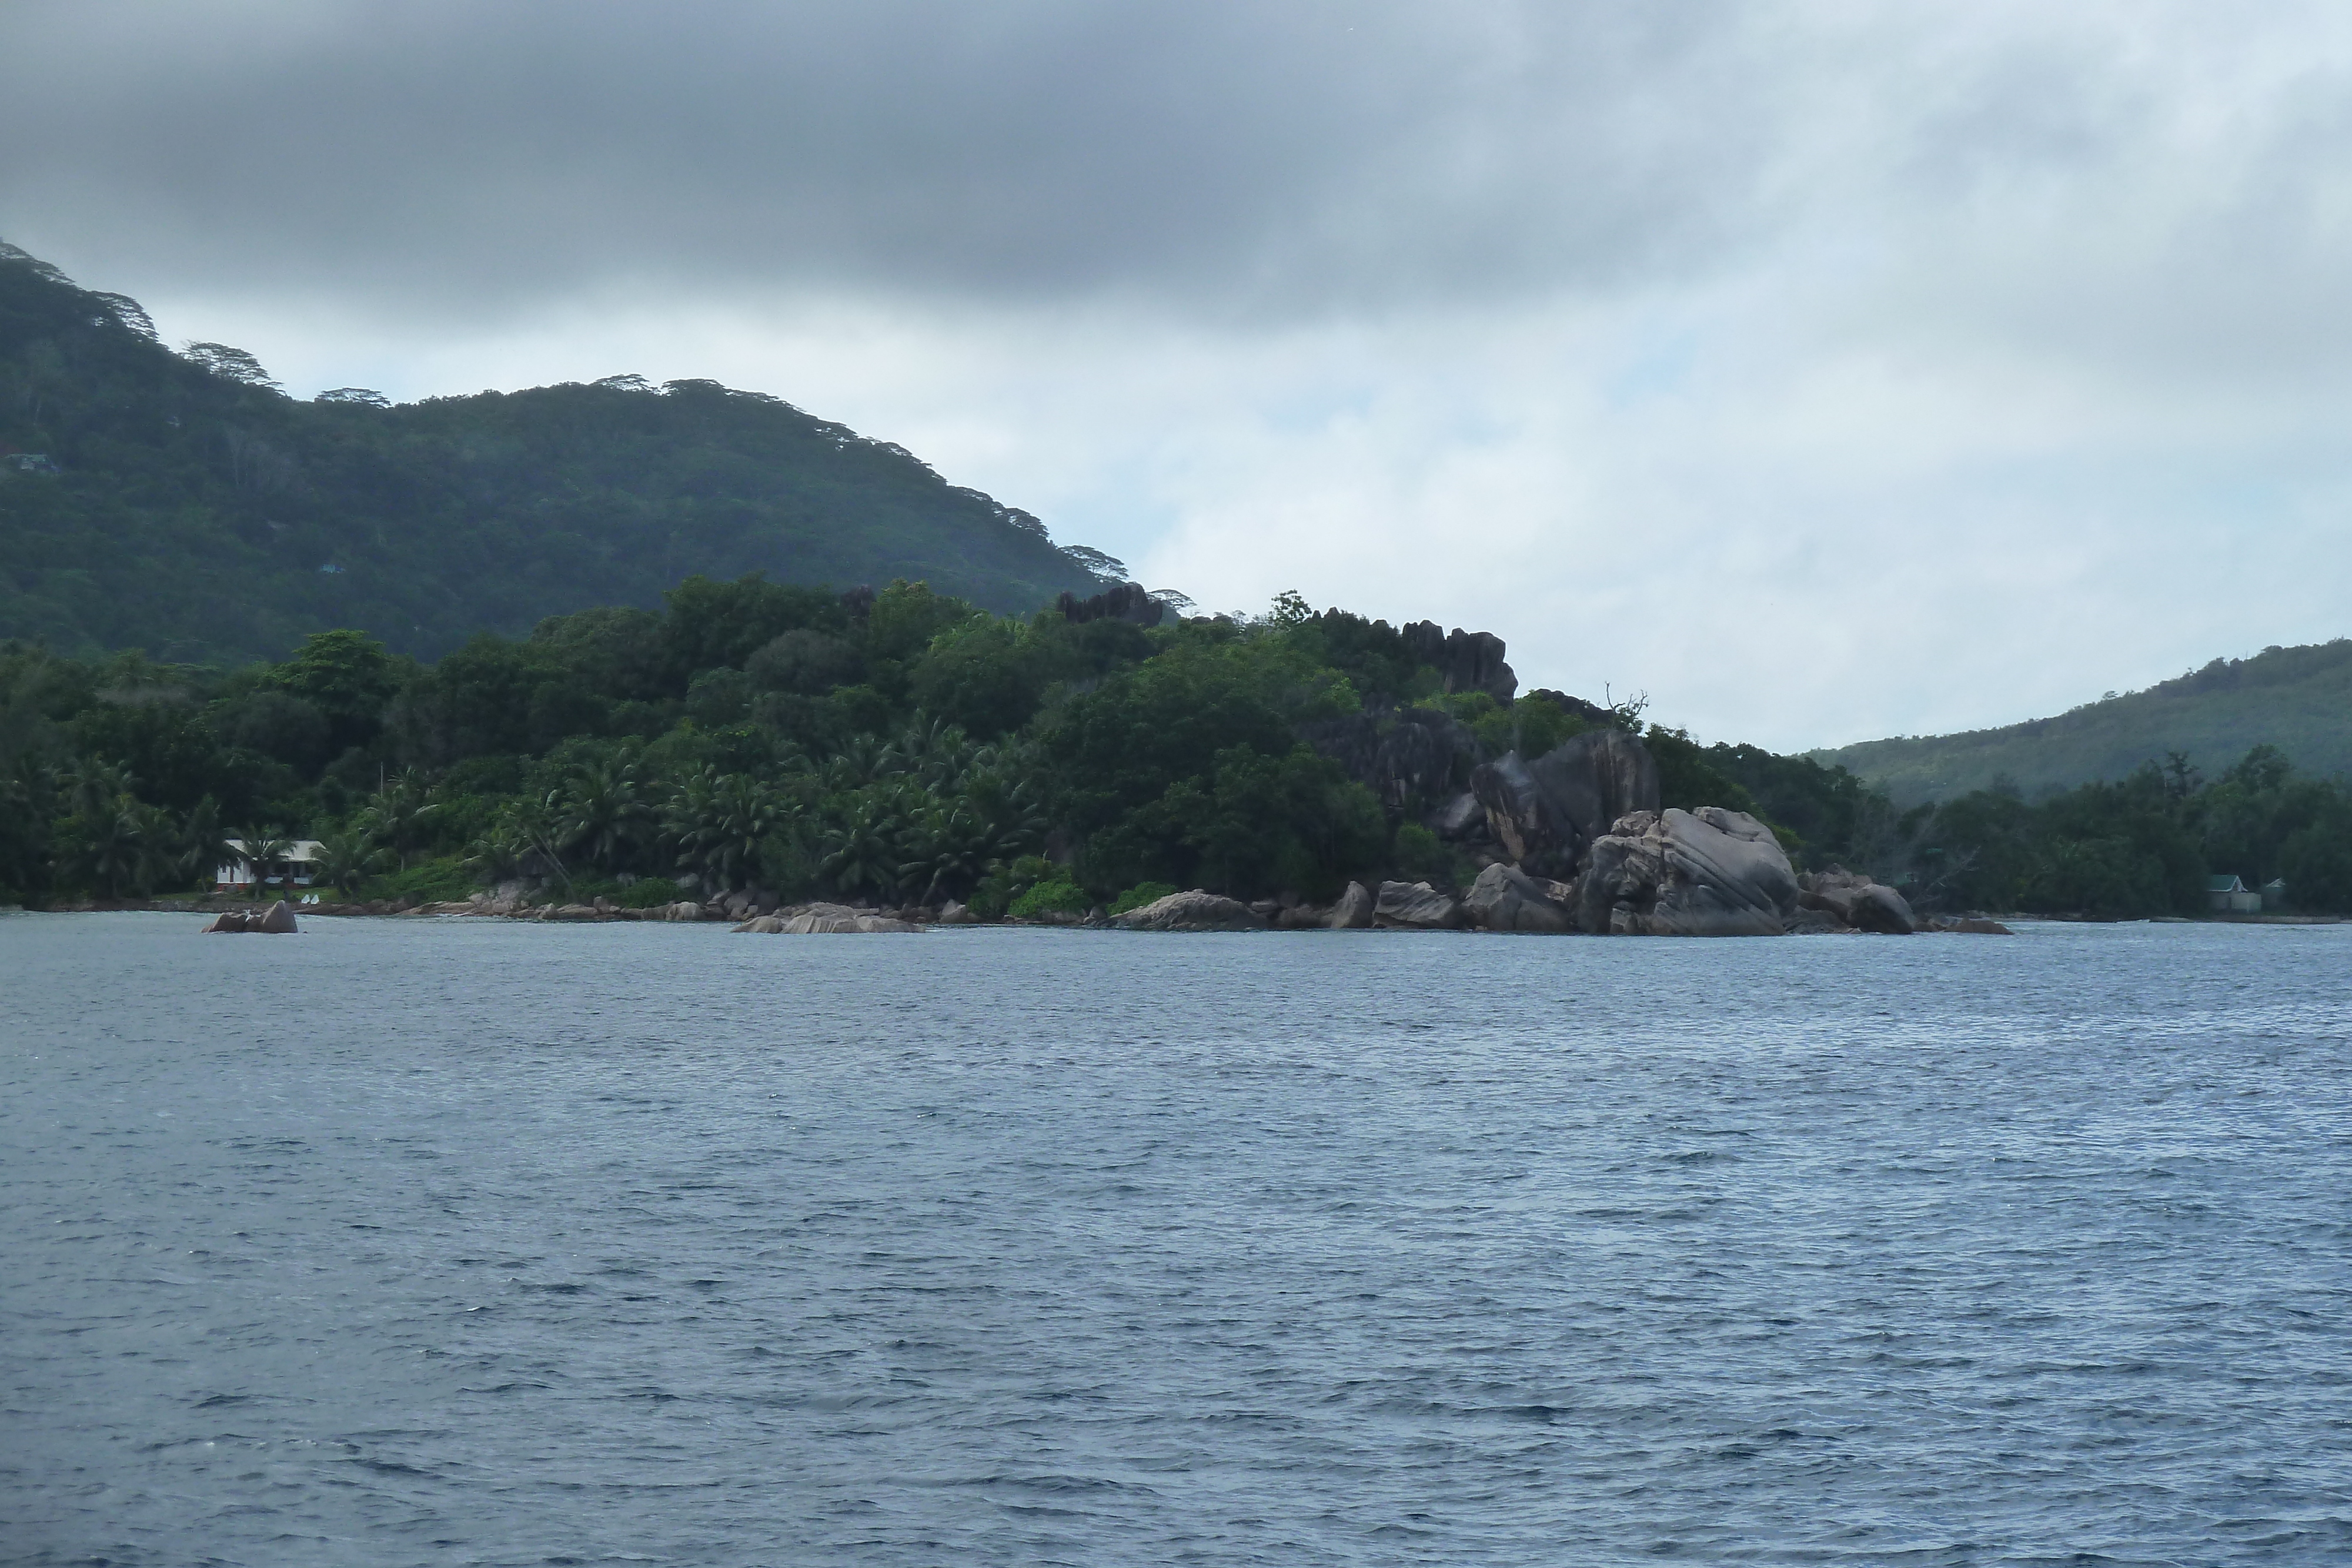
[1573, 840]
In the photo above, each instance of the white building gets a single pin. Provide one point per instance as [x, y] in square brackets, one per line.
[294, 866]
[2230, 896]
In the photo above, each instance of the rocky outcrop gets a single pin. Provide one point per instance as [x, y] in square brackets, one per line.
[1354, 910]
[954, 914]
[1546, 814]
[1505, 898]
[1464, 661]
[1193, 911]
[1121, 602]
[1460, 819]
[1415, 906]
[278, 920]
[827, 920]
[1708, 872]
[1398, 755]
[1858, 901]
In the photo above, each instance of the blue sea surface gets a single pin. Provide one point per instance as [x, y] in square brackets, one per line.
[444, 1241]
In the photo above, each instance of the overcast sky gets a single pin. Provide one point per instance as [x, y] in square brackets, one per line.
[1826, 370]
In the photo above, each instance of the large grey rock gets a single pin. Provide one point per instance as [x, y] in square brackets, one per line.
[229, 922]
[1505, 898]
[1354, 910]
[1417, 906]
[1546, 813]
[278, 920]
[1708, 872]
[1460, 818]
[835, 920]
[955, 914]
[1859, 902]
[1398, 754]
[1464, 661]
[1193, 911]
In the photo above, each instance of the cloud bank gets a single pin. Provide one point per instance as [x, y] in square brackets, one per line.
[1825, 369]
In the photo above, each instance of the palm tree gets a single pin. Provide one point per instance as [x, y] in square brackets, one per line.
[863, 851]
[719, 821]
[108, 843]
[345, 860]
[262, 849]
[203, 846]
[952, 850]
[603, 812]
[398, 814]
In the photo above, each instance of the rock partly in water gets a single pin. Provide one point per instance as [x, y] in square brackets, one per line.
[1194, 911]
[828, 920]
[1416, 906]
[1815, 922]
[955, 914]
[1708, 872]
[1859, 902]
[1354, 910]
[1505, 898]
[278, 920]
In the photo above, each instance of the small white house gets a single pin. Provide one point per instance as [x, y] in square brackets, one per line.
[295, 866]
[2230, 896]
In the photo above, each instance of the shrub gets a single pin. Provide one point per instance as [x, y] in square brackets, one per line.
[1141, 893]
[999, 889]
[1058, 896]
[1418, 853]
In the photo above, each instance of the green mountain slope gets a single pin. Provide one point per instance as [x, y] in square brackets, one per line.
[2297, 699]
[182, 504]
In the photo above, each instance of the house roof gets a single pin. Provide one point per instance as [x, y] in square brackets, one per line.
[2219, 883]
[297, 850]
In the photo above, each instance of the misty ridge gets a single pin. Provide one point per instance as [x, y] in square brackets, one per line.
[497, 621]
[190, 508]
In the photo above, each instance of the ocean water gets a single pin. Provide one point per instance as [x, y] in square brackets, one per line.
[474, 1242]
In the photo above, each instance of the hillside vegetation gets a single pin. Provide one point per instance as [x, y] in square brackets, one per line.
[907, 747]
[2298, 700]
[180, 503]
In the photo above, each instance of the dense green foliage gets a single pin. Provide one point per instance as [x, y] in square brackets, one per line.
[181, 503]
[751, 734]
[2143, 846]
[908, 748]
[2293, 698]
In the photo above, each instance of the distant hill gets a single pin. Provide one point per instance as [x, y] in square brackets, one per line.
[2297, 699]
[181, 503]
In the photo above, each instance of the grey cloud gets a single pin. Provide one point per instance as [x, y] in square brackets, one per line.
[1290, 158]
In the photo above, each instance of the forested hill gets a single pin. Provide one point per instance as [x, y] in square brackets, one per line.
[182, 504]
[2297, 699]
